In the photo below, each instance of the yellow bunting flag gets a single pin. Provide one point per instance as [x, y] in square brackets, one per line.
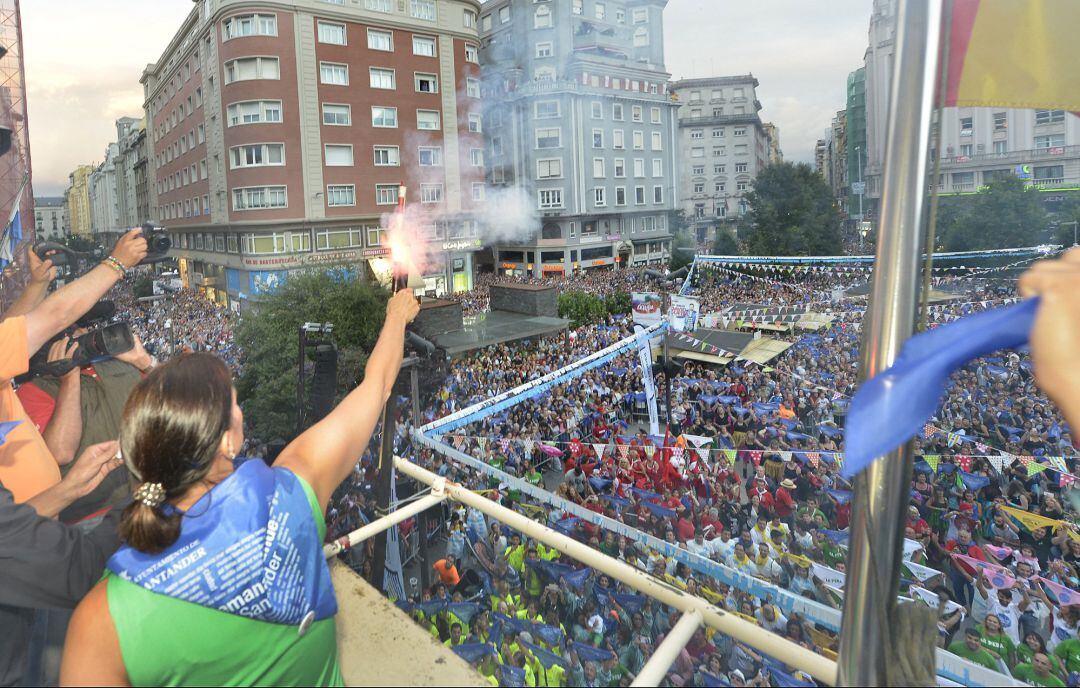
[1032, 521]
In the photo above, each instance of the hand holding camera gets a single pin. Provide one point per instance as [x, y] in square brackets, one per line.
[132, 248]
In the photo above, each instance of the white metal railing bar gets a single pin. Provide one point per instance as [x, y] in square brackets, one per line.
[666, 652]
[743, 631]
[347, 542]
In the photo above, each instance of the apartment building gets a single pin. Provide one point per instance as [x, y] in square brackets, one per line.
[279, 135]
[77, 200]
[1042, 147]
[50, 218]
[723, 144]
[579, 115]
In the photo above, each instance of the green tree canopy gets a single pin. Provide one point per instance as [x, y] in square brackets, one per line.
[792, 213]
[725, 244]
[581, 308]
[269, 339]
[683, 248]
[1068, 213]
[1002, 214]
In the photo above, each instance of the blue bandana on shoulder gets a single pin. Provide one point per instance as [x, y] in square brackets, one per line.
[248, 547]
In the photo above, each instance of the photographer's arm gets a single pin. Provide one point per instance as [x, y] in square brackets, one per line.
[67, 304]
[64, 430]
[326, 453]
[42, 273]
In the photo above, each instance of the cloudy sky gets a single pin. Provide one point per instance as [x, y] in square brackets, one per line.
[84, 59]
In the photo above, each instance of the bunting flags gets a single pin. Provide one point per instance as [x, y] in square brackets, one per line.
[922, 573]
[1032, 521]
[1064, 596]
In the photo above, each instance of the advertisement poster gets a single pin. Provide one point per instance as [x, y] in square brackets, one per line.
[646, 308]
[684, 313]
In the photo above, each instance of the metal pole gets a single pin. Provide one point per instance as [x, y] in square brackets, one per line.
[383, 483]
[300, 382]
[743, 631]
[882, 489]
[381, 525]
[666, 653]
[422, 517]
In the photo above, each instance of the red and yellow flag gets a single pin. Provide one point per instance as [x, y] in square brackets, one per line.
[1014, 53]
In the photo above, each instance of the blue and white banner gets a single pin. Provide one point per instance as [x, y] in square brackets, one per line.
[393, 577]
[539, 386]
[646, 308]
[645, 354]
[249, 547]
[801, 260]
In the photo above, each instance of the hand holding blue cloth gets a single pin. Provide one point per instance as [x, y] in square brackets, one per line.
[893, 405]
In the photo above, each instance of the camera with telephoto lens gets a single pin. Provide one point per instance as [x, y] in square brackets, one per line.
[158, 244]
[102, 341]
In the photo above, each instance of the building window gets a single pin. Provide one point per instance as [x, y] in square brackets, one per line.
[597, 138]
[654, 114]
[232, 245]
[639, 195]
[965, 126]
[600, 197]
[253, 112]
[476, 157]
[384, 117]
[966, 150]
[1001, 121]
[376, 236]
[598, 168]
[741, 185]
[542, 17]
[327, 239]
[640, 15]
[720, 187]
[720, 169]
[699, 187]
[334, 74]
[422, 9]
[1049, 116]
[504, 14]
[386, 194]
[544, 49]
[641, 37]
[697, 133]
[657, 141]
[379, 5]
[598, 111]
[658, 167]
[429, 120]
[639, 167]
[1001, 147]
[639, 140]
[1052, 172]
[549, 138]
[740, 167]
[339, 155]
[472, 53]
[431, 193]
[260, 198]
[620, 168]
[387, 156]
[549, 168]
[381, 78]
[635, 113]
[475, 123]
[472, 88]
[429, 156]
[468, 19]
[617, 112]
[257, 155]
[249, 25]
[336, 115]
[550, 198]
[620, 195]
[423, 46]
[658, 195]
[1050, 141]
[340, 195]
[248, 68]
[333, 34]
[380, 40]
[546, 109]
[426, 83]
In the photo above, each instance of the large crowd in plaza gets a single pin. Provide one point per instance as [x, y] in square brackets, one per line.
[743, 485]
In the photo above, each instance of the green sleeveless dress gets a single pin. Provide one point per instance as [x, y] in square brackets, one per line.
[169, 642]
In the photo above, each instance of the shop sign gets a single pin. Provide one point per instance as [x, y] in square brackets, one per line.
[462, 245]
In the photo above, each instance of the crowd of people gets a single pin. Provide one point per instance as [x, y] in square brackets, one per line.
[744, 483]
[766, 500]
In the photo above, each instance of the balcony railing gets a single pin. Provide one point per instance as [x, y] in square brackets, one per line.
[721, 119]
[1057, 152]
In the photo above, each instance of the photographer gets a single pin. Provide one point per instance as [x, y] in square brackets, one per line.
[27, 468]
[81, 408]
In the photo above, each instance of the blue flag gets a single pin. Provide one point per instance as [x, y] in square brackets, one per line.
[892, 406]
[974, 482]
[511, 676]
[588, 653]
[546, 657]
[473, 652]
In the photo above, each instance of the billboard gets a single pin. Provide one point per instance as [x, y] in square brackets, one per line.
[646, 308]
[684, 313]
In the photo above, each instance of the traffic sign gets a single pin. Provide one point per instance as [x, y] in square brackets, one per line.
[858, 188]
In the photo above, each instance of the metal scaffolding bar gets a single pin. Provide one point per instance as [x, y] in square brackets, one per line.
[881, 490]
[743, 631]
[666, 652]
[381, 525]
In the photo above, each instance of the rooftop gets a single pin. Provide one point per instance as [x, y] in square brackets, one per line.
[497, 327]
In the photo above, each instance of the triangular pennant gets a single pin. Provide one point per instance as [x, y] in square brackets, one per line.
[964, 462]
[649, 450]
[599, 449]
[933, 460]
[1034, 468]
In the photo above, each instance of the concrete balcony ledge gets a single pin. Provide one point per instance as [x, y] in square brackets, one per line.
[379, 645]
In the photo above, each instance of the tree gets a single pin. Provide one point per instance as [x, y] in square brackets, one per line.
[725, 245]
[683, 248]
[792, 213]
[268, 336]
[1067, 213]
[1003, 214]
[144, 286]
[618, 303]
[581, 308]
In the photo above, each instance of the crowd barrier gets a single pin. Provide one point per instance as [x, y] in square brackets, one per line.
[955, 255]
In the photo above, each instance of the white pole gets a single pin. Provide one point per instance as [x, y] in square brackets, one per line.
[762, 640]
[666, 652]
[377, 526]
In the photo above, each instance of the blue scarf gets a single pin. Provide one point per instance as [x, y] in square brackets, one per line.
[250, 547]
